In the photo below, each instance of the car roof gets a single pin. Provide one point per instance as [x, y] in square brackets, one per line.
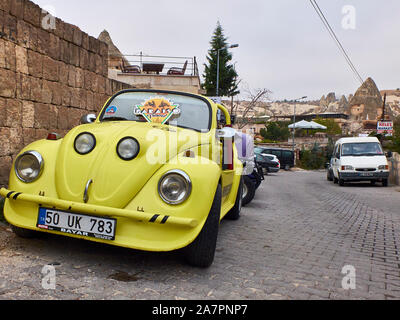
[357, 140]
[273, 148]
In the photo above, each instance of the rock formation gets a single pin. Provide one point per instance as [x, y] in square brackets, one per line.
[367, 102]
[115, 57]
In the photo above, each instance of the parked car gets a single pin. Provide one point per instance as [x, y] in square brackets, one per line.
[359, 159]
[269, 162]
[146, 174]
[252, 173]
[286, 157]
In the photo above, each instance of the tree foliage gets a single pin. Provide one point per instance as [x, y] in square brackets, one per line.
[228, 78]
[276, 131]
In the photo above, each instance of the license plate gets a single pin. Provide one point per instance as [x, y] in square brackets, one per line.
[366, 174]
[76, 224]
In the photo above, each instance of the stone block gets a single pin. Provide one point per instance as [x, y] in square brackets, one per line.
[94, 45]
[77, 36]
[43, 41]
[21, 55]
[47, 94]
[68, 32]
[23, 86]
[17, 8]
[32, 13]
[35, 89]
[85, 41]
[10, 59]
[50, 69]
[54, 47]
[28, 114]
[42, 116]
[35, 64]
[71, 76]
[7, 83]
[74, 58]
[13, 113]
[56, 93]
[5, 5]
[83, 58]
[59, 30]
[29, 135]
[79, 78]
[5, 166]
[10, 27]
[63, 72]
[65, 51]
[23, 33]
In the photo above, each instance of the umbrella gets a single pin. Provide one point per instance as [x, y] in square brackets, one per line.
[316, 125]
[301, 125]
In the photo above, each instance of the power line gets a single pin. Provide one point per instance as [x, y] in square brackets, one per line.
[335, 38]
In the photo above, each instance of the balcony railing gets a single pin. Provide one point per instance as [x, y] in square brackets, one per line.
[160, 65]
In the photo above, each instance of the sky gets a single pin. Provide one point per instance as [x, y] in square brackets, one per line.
[283, 45]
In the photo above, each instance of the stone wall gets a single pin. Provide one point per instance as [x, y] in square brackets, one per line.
[49, 78]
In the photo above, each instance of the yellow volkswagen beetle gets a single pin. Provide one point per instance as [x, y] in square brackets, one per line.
[154, 171]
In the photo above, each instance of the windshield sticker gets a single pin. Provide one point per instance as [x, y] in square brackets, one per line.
[111, 110]
[157, 110]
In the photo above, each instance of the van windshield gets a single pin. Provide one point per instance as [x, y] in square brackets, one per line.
[362, 149]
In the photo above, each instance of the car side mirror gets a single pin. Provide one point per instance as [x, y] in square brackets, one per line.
[88, 118]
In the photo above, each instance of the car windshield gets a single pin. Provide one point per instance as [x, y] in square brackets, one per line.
[258, 150]
[163, 108]
[362, 149]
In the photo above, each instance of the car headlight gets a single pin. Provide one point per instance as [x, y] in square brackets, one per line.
[383, 167]
[85, 143]
[128, 148]
[175, 187]
[347, 168]
[29, 166]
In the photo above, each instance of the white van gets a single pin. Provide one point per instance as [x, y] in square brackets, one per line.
[359, 159]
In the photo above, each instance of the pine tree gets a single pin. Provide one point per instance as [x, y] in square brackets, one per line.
[228, 78]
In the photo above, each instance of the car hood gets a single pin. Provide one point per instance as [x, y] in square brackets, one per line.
[115, 181]
[364, 161]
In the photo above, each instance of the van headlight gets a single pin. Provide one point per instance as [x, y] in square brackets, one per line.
[29, 166]
[383, 167]
[174, 187]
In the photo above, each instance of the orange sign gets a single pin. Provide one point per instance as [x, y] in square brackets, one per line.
[157, 110]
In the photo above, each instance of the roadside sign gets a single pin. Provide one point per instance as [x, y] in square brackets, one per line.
[385, 127]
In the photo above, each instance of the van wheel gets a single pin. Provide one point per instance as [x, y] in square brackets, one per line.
[249, 191]
[385, 182]
[234, 214]
[335, 180]
[200, 253]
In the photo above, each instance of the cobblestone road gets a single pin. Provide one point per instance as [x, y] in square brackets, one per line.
[291, 243]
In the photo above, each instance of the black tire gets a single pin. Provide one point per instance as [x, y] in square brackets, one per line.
[200, 253]
[249, 191]
[234, 213]
[329, 176]
[24, 233]
[385, 182]
[335, 180]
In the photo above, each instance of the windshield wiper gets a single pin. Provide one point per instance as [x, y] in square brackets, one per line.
[114, 119]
